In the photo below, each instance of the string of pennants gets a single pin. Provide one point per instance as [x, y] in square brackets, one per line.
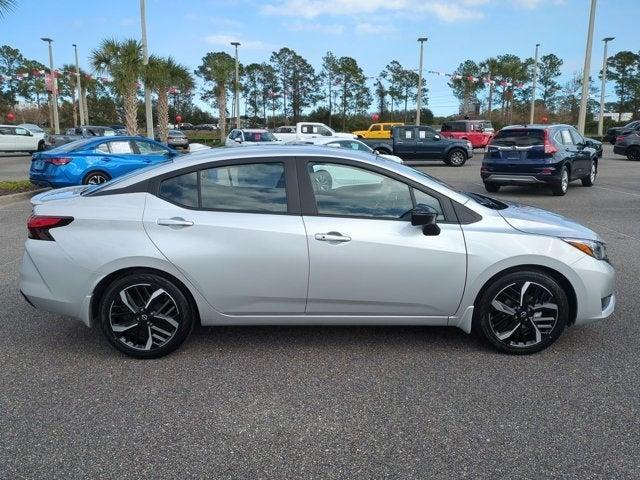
[470, 78]
[59, 74]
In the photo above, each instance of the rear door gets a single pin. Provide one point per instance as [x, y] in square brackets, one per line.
[235, 231]
[404, 143]
[116, 157]
[583, 154]
[150, 152]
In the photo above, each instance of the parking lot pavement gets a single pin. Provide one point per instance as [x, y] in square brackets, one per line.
[14, 166]
[334, 402]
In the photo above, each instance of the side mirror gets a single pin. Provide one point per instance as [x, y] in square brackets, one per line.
[238, 140]
[436, 137]
[425, 216]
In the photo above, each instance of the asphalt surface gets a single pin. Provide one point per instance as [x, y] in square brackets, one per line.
[334, 402]
[14, 167]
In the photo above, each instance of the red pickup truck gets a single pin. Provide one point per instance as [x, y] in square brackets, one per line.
[478, 132]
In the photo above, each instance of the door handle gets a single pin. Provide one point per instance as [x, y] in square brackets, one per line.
[174, 222]
[334, 237]
[105, 159]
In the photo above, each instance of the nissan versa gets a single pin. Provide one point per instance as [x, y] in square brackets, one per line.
[249, 236]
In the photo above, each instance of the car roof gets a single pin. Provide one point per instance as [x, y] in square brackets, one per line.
[259, 151]
[535, 126]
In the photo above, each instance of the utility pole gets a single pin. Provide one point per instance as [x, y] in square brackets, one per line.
[79, 86]
[236, 104]
[147, 91]
[582, 116]
[603, 86]
[533, 87]
[54, 87]
[419, 102]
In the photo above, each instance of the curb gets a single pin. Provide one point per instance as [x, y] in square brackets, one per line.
[17, 197]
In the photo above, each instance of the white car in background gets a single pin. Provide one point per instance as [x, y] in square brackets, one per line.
[19, 139]
[350, 144]
[307, 130]
[242, 137]
[41, 136]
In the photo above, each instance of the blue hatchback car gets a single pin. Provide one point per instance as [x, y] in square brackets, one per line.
[93, 161]
[552, 155]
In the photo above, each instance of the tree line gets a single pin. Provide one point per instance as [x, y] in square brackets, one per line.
[287, 88]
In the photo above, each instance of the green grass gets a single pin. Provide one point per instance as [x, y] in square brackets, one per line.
[15, 186]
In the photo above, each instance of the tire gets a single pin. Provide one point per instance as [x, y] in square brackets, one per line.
[456, 157]
[491, 187]
[131, 323]
[633, 154]
[96, 178]
[589, 180]
[527, 325]
[560, 189]
[322, 181]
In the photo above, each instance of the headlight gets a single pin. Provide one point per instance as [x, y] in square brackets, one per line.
[597, 250]
[469, 145]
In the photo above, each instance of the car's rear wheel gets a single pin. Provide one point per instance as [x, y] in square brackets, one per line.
[456, 158]
[559, 189]
[323, 182]
[522, 312]
[633, 154]
[591, 178]
[95, 178]
[145, 315]
[491, 187]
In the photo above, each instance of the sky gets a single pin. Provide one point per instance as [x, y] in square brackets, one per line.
[374, 32]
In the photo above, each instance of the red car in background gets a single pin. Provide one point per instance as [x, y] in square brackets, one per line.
[478, 132]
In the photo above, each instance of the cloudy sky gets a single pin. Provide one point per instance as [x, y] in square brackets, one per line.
[372, 31]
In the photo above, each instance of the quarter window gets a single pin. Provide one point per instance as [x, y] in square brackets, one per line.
[566, 137]
[343, 190]
[103, 147]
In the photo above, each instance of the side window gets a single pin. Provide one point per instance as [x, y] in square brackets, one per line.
[343, 190]
[566, 137]
[446, 127]
[577, 138]
[255, 187]
[306, 128]
[425, 133]
[325, 132]
[376, 128]
[426, 199]
[387, 128]
[120, 146]
[407, 133]
[148, 148]
[182, 189]
[103, 147]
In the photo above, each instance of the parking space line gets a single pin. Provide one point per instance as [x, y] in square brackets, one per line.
[618, 191]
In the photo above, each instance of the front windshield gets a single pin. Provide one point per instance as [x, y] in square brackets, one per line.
[260, 137]
[32, 128]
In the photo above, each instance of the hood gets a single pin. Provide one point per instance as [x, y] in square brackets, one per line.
[534, 220]
[58, 194]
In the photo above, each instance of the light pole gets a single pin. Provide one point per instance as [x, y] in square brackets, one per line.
[147, 91]
[79, 85]
[533, 87]
[236, 92]
[582, 116]
[603, 85]
[54, 87]
[419, 102]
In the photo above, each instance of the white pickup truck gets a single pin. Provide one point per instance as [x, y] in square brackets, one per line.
[307, 130]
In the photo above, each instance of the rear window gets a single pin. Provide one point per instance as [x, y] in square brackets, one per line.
[519, 138]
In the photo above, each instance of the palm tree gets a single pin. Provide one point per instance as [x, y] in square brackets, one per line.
[160, 75]
[218, 68]
[5, 6]
[123, 61]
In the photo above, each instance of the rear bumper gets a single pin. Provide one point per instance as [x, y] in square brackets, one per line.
[518, 178]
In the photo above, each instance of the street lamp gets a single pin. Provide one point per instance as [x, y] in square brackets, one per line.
[582, 116]
[147, 91]
[533, 87]
[419, 102]
[236, 93]
[79, 86]
[54, 87]
[603, 85]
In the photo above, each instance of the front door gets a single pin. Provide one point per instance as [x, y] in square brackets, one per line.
[366, 258]
[234, 233]
[427, 147]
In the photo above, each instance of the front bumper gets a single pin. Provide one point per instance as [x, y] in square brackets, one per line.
[596, 299]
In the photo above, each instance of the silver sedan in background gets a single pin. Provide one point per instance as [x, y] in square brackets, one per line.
[250, 236]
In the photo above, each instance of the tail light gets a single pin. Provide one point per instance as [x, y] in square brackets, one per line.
[58, 160]
[549, 147]
[619, 138]
[39, 226]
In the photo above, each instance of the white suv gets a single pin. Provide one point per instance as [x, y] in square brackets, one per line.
[19, 139]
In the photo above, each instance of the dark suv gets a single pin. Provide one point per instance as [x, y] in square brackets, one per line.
[539, 154]
[614, 132]
[628, 145]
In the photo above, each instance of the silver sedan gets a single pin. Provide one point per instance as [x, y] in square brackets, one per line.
[306, 235]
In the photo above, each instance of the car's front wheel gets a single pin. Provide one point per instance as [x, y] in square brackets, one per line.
[145, 315]
[522, 312]
[590, 180]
